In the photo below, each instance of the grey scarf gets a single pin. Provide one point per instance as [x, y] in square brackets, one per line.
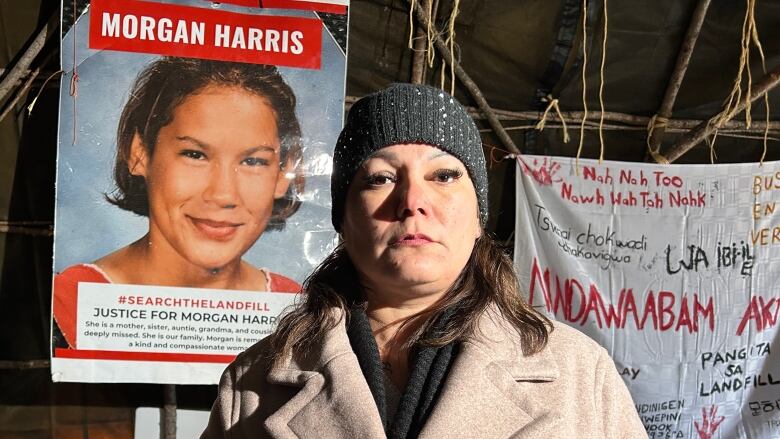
[429, 369]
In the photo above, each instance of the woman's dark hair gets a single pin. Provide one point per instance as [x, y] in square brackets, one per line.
[487, 280]
[165, 84]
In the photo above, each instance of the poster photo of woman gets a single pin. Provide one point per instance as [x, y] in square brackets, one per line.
[189, 175]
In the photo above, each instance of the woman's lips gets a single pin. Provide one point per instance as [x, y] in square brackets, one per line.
[216, 230]
[412, 240]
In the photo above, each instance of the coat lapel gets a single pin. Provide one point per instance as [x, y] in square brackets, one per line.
[484, 395]
[334, 400]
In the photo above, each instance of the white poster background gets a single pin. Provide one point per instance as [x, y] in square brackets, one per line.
[165, 335]
[674, 270]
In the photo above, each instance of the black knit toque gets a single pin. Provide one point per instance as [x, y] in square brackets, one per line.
[406, 113]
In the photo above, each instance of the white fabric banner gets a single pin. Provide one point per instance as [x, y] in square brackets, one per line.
[674, 270]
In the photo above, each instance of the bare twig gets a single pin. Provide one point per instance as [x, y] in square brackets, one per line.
[706, 128]
[467, 82]
[26, 223]
[18, 96]
[14, 75]
[681, 65]
[26, 230]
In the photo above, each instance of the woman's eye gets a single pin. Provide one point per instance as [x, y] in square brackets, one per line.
[447, 175]
[255, 161]
[193, 154]
[379, 179]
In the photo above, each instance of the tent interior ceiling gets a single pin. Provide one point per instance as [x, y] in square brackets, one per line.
[516, 52]
[509, 48]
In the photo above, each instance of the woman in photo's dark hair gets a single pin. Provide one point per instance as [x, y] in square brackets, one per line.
[210, 152]
[415, 326]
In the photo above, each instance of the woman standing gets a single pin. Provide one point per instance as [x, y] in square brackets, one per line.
[414, 326]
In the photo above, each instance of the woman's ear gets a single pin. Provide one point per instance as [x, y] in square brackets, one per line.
[138, 161]
[285, 177]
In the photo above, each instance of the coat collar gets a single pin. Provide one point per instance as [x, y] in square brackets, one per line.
[334, 399]
[482, 384]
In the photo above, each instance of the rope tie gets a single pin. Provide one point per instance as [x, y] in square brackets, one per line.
[584, 84]
[40, 90]
[749, 34]
[732, 102]
[656, 122]
[429, 52]
[757, 43]
[411, 22]
[429, 33]
[507, 155]
[451, 43]
[711, 144]
[601, 86]
[553, 105]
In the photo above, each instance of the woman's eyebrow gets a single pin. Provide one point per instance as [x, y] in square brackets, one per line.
[261, 148]
[206, 147]
[200, 143]
[385, 155]
[437, 154]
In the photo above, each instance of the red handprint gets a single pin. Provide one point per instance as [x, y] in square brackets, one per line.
[709, 423]
[543, 173]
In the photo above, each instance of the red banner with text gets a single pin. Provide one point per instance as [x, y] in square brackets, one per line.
[170, 29]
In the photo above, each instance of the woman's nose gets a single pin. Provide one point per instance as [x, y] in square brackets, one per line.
[413, 199]
[222, 187]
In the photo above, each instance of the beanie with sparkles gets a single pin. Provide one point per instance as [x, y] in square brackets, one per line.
[406, 113]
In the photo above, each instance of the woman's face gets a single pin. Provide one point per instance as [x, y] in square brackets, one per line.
[411, 219]
[213, 176]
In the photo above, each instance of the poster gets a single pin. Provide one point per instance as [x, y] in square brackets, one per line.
[193, 171]
[675, 271]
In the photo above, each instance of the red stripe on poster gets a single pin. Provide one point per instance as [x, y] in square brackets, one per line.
[186, 31]
[308, 6]
[141, 356]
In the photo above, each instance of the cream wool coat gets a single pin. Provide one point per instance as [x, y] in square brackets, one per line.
[571, 389]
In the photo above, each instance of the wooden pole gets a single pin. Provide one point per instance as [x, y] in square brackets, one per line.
[168, 424]
[22, 365]
[707, 127]
[470, 85]
[681, 66]
[610, 116]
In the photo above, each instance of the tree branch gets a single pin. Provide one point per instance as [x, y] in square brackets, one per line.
[707, 127]
[681, 66]
[470, 85]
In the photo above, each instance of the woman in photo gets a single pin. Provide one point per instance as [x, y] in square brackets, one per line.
[210, 153]
[415, 326]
